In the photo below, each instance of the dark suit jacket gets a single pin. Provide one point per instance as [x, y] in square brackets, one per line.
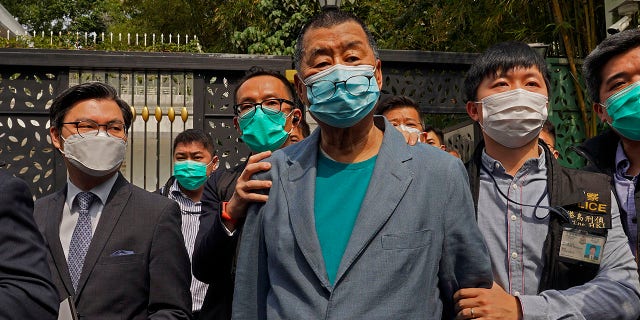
[26, 290]
[152, 282]
[214, 251]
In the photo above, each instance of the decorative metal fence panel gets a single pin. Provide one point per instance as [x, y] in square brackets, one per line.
[170, 92]
[25, 98]
[435, 81]
[217, 115]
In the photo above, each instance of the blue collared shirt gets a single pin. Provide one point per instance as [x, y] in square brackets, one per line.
[625, 188]
[515, 236]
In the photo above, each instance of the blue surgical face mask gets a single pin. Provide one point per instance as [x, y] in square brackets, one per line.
[624, 109]
[190, 174]
[264, 131]
[341, 96]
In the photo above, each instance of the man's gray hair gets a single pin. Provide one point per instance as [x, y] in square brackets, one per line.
[327, 19]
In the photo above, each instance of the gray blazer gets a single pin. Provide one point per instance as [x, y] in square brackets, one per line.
[136, 267]
[415, 241]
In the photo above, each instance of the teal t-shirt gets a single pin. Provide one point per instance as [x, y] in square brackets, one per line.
[340, 190]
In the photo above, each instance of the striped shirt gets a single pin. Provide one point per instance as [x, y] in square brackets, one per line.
[191, 212]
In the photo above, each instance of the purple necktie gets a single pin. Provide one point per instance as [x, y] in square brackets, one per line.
[81, 237]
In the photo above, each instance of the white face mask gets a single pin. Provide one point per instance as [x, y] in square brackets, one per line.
[515, 117]
[95, 155]
[421, 135]
[402, 127]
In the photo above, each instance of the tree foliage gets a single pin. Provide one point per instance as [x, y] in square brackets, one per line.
[275, 31]
[168, 17]
[432, 25]
[65, 15]
[271, 26]
[468, 26]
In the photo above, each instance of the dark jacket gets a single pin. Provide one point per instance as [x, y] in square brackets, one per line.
[567, 191]
[600, 153]
[164, 190]
[214, 252]
[27, 290]
[137, 266]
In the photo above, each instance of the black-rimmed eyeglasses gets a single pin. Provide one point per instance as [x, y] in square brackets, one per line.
[355, 85]
[268, 106]
[91, 128]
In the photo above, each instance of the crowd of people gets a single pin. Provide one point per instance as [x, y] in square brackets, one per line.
[367, 217]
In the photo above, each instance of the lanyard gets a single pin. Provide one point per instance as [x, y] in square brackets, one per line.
[560, 211]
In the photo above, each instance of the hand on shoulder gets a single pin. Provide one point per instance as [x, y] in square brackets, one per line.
[247, 190]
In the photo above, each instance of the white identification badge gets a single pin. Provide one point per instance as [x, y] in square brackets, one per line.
[582, 246]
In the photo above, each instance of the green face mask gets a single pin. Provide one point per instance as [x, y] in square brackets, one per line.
[624, 109]
[263, 131]
[191, 175]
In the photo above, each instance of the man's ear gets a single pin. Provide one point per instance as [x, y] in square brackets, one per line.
[301, 89]
[378, 73]
[214, 163]
[600, 111]
[55, 137]
[236, 124]
[296, 117]
[472, 111]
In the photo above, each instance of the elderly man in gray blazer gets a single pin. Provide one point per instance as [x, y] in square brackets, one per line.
[358, 224]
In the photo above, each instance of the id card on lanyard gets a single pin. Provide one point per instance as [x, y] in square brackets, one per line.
[582, 246]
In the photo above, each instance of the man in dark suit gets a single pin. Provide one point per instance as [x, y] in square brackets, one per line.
[26, 290]
[116, 249]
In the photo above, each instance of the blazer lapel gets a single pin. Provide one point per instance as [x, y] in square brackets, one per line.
[116, 202]
[300, 184]
[390, 178]
[52, 233]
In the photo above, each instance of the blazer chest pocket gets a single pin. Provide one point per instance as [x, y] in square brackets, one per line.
[122, 259]
[409, 240]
